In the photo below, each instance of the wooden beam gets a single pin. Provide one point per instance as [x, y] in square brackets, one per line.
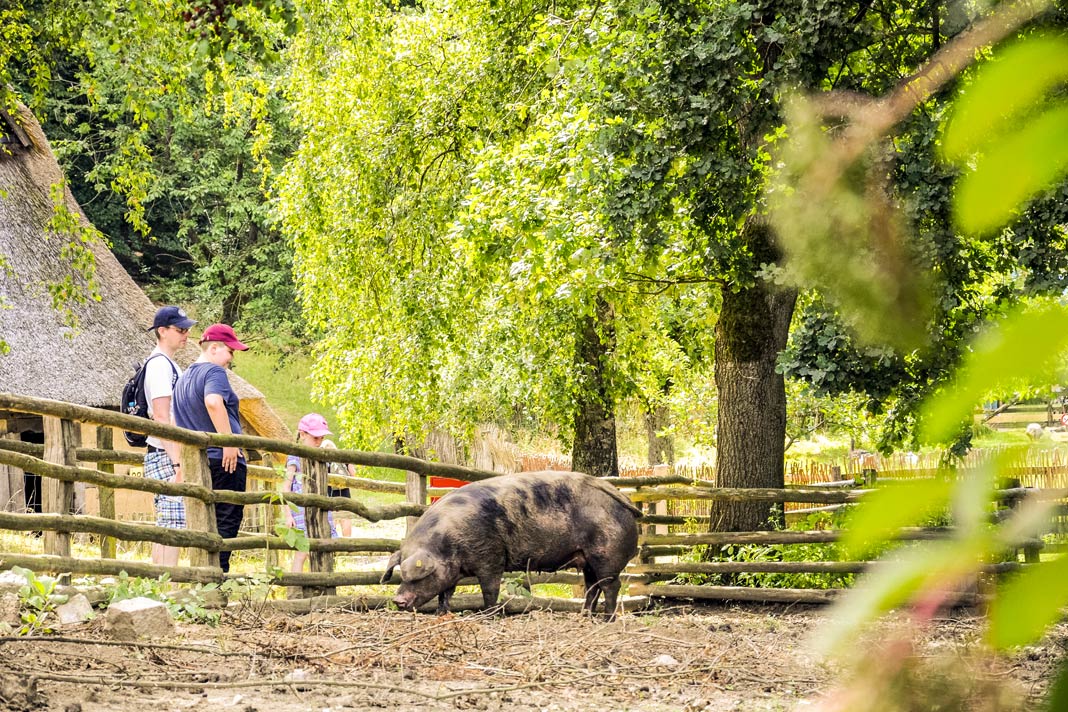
[317, 525]
[57, 496]
[105, 440]
[199, 515]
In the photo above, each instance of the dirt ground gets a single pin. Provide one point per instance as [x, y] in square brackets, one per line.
[686, 659]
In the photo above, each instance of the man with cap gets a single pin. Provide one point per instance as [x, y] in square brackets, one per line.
[171, 329]
[204, 400]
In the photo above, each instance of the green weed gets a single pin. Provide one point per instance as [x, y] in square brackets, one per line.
[38, 602]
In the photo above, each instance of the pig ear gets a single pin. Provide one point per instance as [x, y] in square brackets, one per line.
[390, 565]
[417, 566]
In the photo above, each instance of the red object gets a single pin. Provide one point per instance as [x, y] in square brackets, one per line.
[434, 481]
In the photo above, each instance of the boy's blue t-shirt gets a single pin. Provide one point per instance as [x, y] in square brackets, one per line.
[199, 380]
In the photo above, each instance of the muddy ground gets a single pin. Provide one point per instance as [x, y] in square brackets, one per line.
[707, 658]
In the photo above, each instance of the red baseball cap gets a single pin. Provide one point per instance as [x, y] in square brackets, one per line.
[224, 333]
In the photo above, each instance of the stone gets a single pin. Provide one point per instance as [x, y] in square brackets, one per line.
[138, 618]
[76, 610]
[12, 578]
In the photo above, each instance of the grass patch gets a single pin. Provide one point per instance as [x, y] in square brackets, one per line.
[285, 383]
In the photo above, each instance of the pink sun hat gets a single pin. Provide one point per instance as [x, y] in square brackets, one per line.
[314, 424]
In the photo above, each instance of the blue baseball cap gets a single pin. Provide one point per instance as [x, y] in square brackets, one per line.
[171, 316]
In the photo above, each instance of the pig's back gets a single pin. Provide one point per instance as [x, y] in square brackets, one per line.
[542, 519]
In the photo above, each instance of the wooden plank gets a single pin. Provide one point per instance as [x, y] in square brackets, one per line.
[746, 494]
[736, 593]
[105, 440]
[108, 567]
[760, 567]
[317, 524]
[780, 537]
[57, 496]
[199, 516]
[464, 602]
[8, 503]
[414, 493]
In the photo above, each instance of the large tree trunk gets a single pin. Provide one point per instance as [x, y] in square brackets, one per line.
[752, 329]
[594, 450]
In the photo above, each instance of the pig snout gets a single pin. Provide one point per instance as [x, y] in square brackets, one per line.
[405, 600]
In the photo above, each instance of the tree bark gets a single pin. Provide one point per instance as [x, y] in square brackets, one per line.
[661, 448]
[751, 428]
[594, 449]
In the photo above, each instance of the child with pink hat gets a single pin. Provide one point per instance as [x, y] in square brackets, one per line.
[311, 430]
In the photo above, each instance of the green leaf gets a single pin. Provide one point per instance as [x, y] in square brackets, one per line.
[1013, 170]
[1024, 346]
[888, 509]
[1028, 604]
[1013, 82]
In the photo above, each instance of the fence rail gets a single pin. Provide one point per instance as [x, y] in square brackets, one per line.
[57, 462]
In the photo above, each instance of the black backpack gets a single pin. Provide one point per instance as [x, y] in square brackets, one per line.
[134, 401]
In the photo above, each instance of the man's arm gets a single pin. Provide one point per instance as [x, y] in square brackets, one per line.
[161, 413]
[217, 412]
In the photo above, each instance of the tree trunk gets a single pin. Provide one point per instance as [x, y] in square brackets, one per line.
[661, 447]
[751, 428]
[594, 449]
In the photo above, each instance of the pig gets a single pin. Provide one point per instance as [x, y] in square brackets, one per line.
[533, 521]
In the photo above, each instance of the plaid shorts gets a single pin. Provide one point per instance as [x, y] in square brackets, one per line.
[170, 511]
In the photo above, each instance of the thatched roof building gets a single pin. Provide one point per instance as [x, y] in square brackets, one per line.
[48, 358]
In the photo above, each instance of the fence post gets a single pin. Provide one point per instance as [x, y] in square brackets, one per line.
[658, 507]
[61, 442]
[317, 523]
[105, 440]
[199, 516]
[1032, 553]
[414, 492]
[12, 497]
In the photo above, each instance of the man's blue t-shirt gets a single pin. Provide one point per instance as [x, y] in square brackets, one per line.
[199, 380]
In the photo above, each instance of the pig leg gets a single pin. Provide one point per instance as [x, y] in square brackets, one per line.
[443, 600]
[593, 590]
[491, 589]
[602, 576]
[610, 586]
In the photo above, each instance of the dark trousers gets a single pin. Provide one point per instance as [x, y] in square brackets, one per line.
[228, 516]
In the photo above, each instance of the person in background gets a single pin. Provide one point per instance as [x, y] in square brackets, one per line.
[171, 328]
[311, 430]
[204, 401]
[344, 518]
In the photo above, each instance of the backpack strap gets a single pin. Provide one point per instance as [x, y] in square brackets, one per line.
[174, 369]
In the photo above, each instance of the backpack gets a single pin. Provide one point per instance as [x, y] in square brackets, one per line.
[134, 401]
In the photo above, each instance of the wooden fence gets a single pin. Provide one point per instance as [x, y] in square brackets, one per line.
[60, 462]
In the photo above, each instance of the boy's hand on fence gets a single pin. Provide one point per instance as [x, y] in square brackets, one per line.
[229, 458]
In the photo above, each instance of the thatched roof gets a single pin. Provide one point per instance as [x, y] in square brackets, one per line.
[87, 364]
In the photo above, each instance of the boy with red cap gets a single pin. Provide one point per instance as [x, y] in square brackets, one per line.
[203, 400]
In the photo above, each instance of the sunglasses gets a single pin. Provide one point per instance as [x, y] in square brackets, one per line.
[180, 330]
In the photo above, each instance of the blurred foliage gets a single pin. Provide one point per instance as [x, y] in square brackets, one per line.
[899, 308]
[1003, 103]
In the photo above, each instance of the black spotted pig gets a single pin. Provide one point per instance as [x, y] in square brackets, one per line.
[534, 521]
